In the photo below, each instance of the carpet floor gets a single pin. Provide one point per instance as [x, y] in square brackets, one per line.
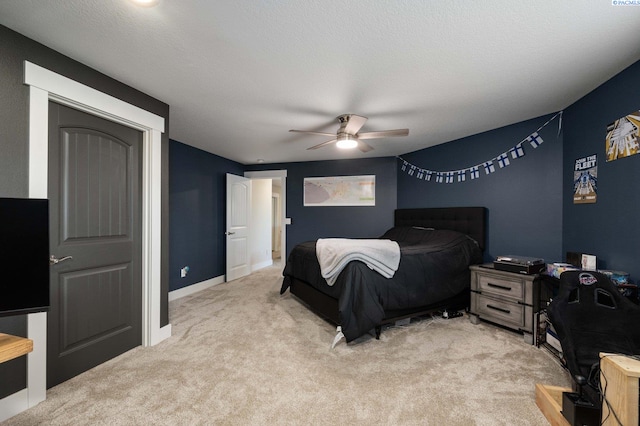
[242, 354]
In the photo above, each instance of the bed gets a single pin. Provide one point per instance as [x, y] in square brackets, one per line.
[437, 245]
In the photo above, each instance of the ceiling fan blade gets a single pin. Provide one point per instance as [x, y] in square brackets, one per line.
[383, 134]
[354, 124]
[320, 145]
[313, 133]
[364, 147]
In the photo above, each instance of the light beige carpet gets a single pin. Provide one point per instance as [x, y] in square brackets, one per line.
[241, 354]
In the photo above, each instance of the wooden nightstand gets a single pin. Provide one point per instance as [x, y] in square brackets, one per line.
[506, 298]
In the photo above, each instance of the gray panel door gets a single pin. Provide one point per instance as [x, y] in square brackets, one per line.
[94, 191]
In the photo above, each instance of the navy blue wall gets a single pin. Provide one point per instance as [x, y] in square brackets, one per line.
[311, 223]
[529, 202]
[524, 199]
[197, 209]
[609, 228]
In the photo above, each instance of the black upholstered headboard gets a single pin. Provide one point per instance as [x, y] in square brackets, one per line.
[468, 220]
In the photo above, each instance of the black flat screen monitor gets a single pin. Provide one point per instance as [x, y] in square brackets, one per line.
[24, 256]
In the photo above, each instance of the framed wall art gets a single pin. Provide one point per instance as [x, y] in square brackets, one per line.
[340, 191]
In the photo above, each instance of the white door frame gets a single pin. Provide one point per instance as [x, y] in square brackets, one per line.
[282, 175]
[276, 216]
[45, 85]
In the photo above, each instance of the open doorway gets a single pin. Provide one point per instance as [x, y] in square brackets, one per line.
[275, 228]
[276, 221]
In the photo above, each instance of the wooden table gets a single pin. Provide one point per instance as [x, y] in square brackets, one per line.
[13, 346]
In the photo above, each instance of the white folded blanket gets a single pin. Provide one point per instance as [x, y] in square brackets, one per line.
[383, 256]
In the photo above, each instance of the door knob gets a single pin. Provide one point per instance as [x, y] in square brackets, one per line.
[54, 260]
[229, 233]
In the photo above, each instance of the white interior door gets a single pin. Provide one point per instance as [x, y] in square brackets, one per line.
[238, 217]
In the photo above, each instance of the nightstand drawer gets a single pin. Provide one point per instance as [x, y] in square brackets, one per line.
[499, 311]
[506, 298]
[502, 287]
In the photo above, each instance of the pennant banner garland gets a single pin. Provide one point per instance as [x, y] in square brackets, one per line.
[488, 167]
[503, 160]
[517, 151]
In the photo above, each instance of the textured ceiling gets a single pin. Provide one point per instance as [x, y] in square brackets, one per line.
[239, 74]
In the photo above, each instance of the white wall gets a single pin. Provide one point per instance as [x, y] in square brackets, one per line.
[276, 224]
[260, 250]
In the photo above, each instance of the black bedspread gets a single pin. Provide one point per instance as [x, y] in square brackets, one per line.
[434, 266]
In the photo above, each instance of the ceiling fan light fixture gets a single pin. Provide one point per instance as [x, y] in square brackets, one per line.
[349, 136]
[346, 142]
[146, 3]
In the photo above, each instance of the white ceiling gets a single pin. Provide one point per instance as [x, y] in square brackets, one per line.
[239, 74]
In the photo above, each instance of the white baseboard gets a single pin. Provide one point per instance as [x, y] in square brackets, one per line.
[14, 404]
[261, 265]
[163, 334]
[194, 288]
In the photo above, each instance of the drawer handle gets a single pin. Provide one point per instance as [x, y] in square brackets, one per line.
[506, 311]
[501, 287]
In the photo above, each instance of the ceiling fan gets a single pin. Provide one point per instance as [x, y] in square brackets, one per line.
[348, 137]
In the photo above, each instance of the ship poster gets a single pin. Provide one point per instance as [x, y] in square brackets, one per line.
[585, 180]
[623, 137]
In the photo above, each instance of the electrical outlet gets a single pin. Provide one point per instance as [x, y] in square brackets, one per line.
[184, 271]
